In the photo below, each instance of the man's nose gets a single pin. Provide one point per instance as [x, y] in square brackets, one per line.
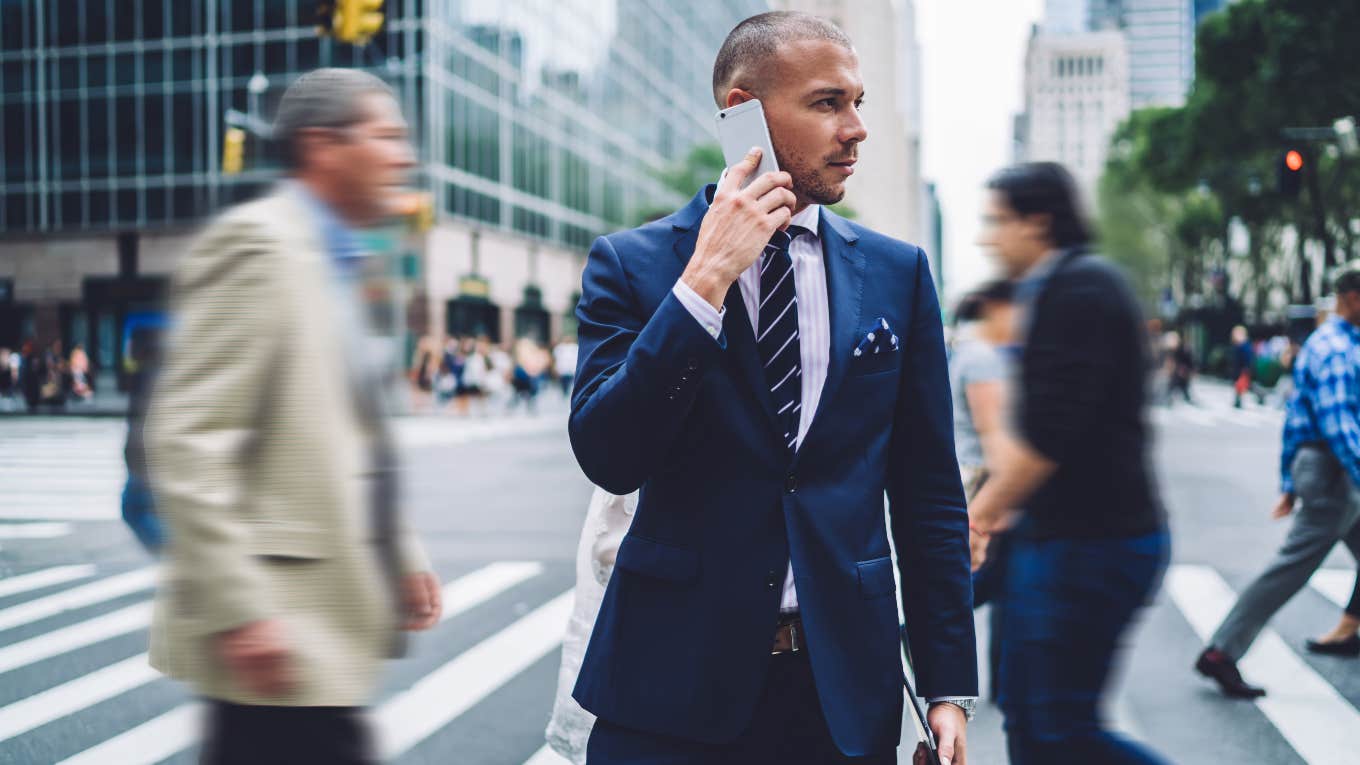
[853, 130]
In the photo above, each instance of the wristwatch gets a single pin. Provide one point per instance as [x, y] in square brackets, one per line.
[969, 706]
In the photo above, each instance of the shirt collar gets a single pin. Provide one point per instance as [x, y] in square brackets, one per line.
[1351, 331]
[1043, 267]
[340, 239]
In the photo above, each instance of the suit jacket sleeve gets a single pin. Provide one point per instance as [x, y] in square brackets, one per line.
[203, 416]
[927, 510]
[637, 375]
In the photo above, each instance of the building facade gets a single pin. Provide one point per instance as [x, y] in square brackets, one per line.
[539, 125]
[1076, 94]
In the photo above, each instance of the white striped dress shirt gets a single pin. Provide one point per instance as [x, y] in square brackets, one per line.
[814, 326]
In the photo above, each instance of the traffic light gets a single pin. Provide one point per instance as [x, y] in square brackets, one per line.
[233, 150]
[356, 21]
[1290, 174]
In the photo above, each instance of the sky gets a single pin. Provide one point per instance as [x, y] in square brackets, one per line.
[972, 54]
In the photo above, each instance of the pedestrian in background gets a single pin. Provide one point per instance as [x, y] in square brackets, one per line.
[1344, 638]
[607, 519]
[1319, 476]
[1244, 368]
[1090, 544]
[980, 377]
[79, 370]
[289, 568]
[1180, 368]
[564, 363]
[138, 502]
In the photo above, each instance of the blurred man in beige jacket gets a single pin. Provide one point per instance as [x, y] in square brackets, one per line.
[289, 570]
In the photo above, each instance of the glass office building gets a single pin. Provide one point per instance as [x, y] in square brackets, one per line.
[541, 122]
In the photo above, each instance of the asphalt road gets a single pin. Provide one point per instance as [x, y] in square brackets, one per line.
[500, 503]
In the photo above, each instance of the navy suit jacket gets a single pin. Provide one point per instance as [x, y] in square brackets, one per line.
[682, 643]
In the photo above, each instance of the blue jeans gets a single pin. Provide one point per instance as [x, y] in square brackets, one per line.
[1066, 604]
[139, 513]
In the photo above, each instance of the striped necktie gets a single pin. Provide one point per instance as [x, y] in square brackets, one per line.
[777, 333]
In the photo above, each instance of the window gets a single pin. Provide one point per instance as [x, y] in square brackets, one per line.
[96, 148]
[69, 145]
[16, 151]
[154, 134]
[153, 19]
[127, 206]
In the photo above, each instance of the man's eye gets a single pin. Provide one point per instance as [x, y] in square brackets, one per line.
[829, 102]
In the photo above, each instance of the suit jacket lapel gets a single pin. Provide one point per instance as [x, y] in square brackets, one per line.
[741, 340]
[845, 266]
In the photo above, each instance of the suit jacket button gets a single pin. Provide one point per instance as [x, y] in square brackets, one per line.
[772, 579]
[791, 484]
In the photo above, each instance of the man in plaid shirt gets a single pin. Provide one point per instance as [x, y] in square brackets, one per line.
[1320, 467]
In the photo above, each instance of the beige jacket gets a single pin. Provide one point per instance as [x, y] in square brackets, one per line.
[261, 462]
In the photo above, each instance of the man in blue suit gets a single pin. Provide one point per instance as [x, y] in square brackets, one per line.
[764, 370]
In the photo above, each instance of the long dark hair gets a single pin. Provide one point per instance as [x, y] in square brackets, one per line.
[1045, 188]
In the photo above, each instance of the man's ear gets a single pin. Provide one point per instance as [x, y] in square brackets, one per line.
[737, 96]
[310, 144]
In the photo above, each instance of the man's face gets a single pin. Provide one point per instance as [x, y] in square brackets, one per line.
[1348, 306]
[1016, 241]
[811, 96]
[371, 159]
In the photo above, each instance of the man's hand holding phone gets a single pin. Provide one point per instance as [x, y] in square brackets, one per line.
[737, 227]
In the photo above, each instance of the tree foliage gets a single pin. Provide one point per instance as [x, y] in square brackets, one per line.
[1177, 177]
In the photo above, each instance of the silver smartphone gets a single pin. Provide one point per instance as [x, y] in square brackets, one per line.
[742, 128]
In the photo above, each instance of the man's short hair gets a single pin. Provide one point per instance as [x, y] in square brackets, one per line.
[752, 43]
[322, 98]
[1347, 277]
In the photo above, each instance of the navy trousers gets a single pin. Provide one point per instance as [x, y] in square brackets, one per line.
[787, 729]
[1067, 602]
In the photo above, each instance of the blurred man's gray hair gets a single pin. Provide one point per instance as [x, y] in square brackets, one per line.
[323, 98]
[1346, 278]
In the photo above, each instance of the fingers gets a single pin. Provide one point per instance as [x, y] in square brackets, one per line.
[422, 602]
[738, 173]
[919, 756]
[768, 182]
[266, 670]
[776, 198]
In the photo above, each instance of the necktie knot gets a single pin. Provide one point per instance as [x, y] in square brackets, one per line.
[781, 240]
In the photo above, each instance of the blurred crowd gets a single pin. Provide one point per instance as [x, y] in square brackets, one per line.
[473, 375]
[44, 379]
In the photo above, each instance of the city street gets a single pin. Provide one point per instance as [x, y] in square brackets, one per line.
[500, 502]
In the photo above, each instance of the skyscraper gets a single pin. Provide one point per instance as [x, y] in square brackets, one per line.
[1161, 35]
[1076, 94]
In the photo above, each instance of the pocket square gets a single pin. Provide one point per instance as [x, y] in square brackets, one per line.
[877, 339]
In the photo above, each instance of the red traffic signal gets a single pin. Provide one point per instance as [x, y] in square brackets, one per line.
[1293, 160]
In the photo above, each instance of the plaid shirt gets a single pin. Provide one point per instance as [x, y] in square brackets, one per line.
[1325, 407]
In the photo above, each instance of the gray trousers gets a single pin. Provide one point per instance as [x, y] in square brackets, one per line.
[1328, 509]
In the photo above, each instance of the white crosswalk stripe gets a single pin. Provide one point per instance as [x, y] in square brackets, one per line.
[1334, 584]
[34, 530]
[177, 730]
[74, 471]
[1311, 715]
[44, 578]
[79, 597]
[1307, 711]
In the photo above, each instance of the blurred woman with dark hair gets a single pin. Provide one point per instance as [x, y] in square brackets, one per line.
[980, 378]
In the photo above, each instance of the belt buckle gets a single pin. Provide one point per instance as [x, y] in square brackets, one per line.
[793, 640]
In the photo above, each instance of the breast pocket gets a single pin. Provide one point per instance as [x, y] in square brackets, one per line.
[280, 541]
[875, 363]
